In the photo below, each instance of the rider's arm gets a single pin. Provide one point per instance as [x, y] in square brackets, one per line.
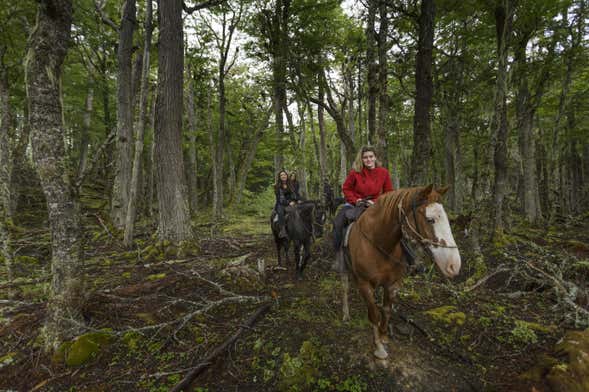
[388, 185]
[349, 189]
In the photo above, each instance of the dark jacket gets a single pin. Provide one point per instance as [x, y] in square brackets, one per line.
[285, 196]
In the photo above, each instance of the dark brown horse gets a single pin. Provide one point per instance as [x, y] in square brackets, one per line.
[375, 255]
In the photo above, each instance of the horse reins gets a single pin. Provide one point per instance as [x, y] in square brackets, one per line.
[405, 235]
[424, 241]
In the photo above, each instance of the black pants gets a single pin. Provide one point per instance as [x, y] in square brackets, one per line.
[346, 215]
[279, 208]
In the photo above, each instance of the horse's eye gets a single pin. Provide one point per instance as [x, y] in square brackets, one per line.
[431, 221]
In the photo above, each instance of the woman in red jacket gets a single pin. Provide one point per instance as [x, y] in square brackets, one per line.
[365, 183]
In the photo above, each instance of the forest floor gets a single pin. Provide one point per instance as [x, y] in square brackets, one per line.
[151, 316]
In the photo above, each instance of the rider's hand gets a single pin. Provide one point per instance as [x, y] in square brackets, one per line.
[358, 201]
[370, 202]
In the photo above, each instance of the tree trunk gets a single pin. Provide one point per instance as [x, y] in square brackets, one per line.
[192, 159]
[250, 154]
[5, 169]
[174, 213]
[322, 137]
[138, 157]
[503, 18]
[151, 174]
[372, 67]
[213, 150]
[47, 50]
[124, 154]
[422, 145]
[383, 93]
[85, 138]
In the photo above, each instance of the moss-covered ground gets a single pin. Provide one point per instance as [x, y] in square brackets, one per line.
[156, 311]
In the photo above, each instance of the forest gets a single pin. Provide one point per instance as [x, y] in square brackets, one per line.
[140, 143]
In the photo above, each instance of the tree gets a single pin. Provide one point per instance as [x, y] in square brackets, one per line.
[174, 214]
[144, 89]
[122, 181]
[503, 24]
[422, 145]
[48, 45]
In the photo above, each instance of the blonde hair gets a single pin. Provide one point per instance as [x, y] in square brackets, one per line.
[358, 165]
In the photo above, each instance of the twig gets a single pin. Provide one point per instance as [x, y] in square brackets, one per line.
[204, 364]
[105, 19]
[484, 279]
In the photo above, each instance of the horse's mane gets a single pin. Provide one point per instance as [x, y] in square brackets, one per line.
[390, 200]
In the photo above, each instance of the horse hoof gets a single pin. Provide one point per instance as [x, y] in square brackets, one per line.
[381, 353]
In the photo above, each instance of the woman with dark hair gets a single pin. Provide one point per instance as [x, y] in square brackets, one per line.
[285, 196]
[364, 184]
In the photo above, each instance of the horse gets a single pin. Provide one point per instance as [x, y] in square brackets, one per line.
[379, 248]
[304, 223]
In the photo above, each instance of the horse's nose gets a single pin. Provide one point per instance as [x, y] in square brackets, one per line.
[453, 269]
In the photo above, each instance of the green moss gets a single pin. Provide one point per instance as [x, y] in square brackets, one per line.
[132, 340]
[447, 315]
[523, 334]
[7, 359]
[86, 347]
[153, 277]
[298, 373]
[126, 275]
[480, 270]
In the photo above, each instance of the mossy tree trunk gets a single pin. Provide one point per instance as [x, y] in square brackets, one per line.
[137, 158]
[5, 168]
[174, 213]
[503, 22]
[122, 181]
[192, 170]
[47, 50]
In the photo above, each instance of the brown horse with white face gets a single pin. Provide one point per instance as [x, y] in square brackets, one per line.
[375, 254]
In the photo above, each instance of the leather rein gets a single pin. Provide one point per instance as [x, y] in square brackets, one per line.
[406, 237]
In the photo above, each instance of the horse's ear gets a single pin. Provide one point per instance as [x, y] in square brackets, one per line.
[426, 191]
[442, 191]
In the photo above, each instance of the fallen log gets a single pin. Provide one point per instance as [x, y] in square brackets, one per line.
[209, 359]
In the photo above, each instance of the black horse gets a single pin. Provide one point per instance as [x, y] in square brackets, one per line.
[304, 223]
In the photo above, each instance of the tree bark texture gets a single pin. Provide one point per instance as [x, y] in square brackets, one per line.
[383, 93]
[422, 144]
[525, 112]
[174, 214]
[503, 18]
[47, 50]
[85, 136]
[372, 68]
[124, 152]
[130, 213]
[192, 157]
[322, 136]
[5, 168]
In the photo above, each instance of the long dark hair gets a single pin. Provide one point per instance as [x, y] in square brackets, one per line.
[278, 182]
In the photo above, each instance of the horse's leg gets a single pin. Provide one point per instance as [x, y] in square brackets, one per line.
[346, 286]
[298, 260]
[374, 316]
[306, 255]
[278, 243]
[390, 293]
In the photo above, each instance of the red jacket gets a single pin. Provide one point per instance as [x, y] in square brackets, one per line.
[372, 183]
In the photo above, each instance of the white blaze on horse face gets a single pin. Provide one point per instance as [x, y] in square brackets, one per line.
[447, 259]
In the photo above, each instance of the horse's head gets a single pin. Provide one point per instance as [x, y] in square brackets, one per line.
[425, 221]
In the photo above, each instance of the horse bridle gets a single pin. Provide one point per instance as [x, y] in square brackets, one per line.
[406, 237]
[416, 237]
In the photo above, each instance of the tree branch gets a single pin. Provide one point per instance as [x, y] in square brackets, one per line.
[200, 6]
